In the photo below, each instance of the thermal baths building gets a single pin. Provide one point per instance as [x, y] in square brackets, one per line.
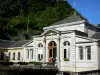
[73, 42]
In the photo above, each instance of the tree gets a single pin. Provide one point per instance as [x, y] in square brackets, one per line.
[98, 25]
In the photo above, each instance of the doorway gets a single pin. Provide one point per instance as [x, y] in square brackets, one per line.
[52, 50]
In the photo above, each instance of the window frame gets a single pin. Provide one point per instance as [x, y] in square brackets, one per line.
[88, 53]
[81, 53]
[40, 57]
[65, 53]
[31, 53]
[40, 45]
[66, 49]
[19, 55]
[14, 55]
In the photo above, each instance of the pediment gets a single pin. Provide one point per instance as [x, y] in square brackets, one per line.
[50, 32]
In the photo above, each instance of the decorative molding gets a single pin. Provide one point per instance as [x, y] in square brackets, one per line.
[62, 25]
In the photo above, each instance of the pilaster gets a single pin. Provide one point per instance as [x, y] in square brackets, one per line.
[44, 45]
[58, 50]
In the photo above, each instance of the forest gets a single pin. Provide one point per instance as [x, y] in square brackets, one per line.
[22, 19]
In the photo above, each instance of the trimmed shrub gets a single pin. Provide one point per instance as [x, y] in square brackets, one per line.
[5, 63]
[32, 62]
[49, 63]
[37, 63]
[22, 63]
[66, 59]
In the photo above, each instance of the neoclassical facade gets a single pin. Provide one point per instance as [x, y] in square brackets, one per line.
[73, 42]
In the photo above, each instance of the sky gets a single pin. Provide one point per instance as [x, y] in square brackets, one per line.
[90, 9]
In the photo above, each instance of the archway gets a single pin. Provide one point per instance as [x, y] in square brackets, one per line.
[52, 50]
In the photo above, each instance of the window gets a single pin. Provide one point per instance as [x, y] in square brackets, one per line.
[88, 52]
[50, 44]
[14, 56]
[81, 53]
[50, 53]
[40, 57]
[31, 53]
[65, 53]
[66, 48]
[66, 43]
[27, 53]
[18, 55]
[40, 45]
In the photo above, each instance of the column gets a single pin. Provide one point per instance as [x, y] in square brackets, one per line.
[58, 50]
[5, 56]
[29, 54]
[44, 45]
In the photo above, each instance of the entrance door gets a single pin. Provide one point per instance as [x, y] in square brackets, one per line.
[52, 50]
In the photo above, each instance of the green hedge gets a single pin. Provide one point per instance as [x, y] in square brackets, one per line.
[35, 63]
[66, 59]
[22, 63]
[5, 63]
[49, 63]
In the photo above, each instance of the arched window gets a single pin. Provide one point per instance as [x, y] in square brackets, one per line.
[52, 43]
[66, 48]
[40, 45]
[66, 43]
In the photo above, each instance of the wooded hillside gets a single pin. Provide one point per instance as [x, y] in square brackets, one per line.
[21, 19]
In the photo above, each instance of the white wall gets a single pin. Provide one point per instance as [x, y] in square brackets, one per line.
[79, 27]
[66, 65]
[85, 64]
[74, 64]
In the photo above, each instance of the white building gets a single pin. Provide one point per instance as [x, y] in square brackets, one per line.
[73, 42]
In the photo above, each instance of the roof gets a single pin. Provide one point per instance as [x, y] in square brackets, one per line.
[73, 18]
[6, 43]
[18, 44]
[96, 35]
[11, 44]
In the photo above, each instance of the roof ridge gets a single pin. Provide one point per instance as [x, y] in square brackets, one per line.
[72, 18]
[15, 43]
[22, 40]
[7, 40]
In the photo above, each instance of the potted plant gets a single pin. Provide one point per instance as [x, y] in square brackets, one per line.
[66, 59]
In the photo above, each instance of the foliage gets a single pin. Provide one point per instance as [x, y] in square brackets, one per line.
[35, 63]
[49, 63]
[21, 19]
[98, 25]
[22, 63]
[5, 63]
[66, 59]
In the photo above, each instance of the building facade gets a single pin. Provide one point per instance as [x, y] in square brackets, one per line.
[73, 42]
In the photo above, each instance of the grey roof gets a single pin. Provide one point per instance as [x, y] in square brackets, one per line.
[6, 43]
[11, 44]
[19, 44]
[96, 35]
[73, 18]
